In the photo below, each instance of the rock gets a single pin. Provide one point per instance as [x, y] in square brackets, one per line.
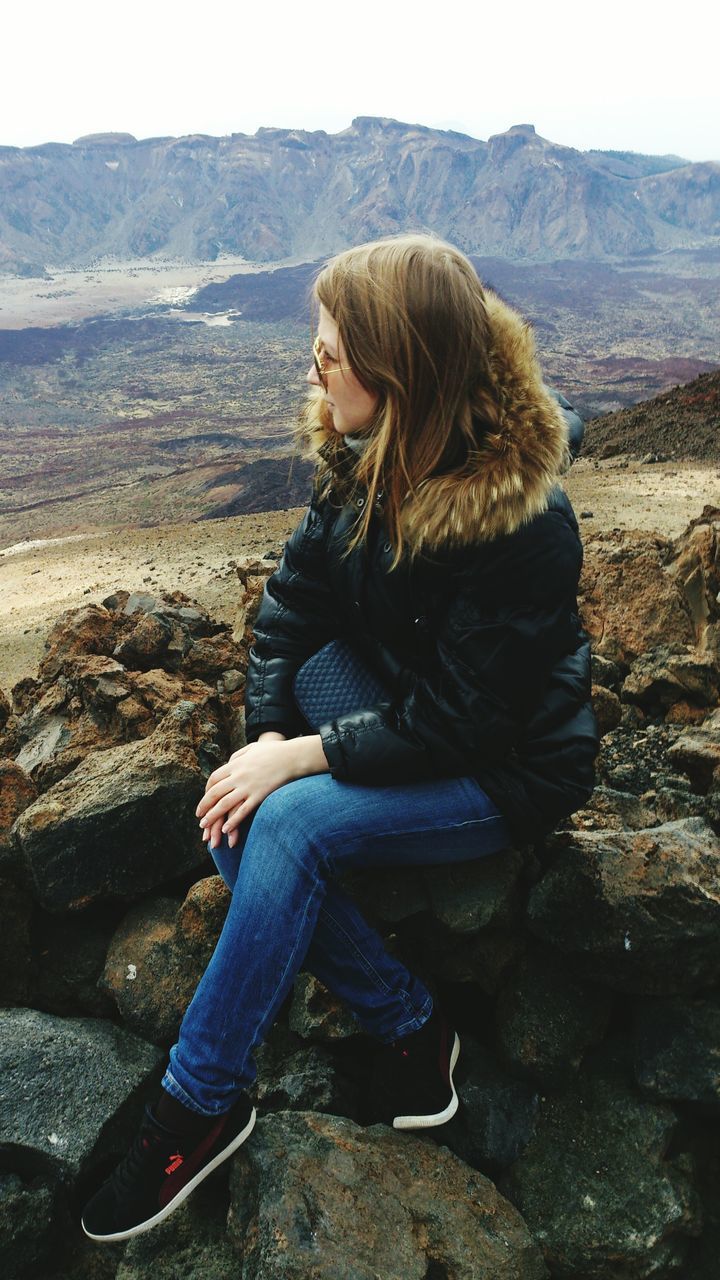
[159, 954]
[149, 643]
[96, 704]
[62, 1082]
[547, 1018]
[696, 568]
[5, 709]
[293, 1076]
[677, 1050]
[209, 658]
[596, 1190]
[191, 1244]
[610, 810]
[123, 821]
[660, 678]
[69, 955]
[606, 673]
[697, 753]
[17, 791]
[15, 947]
[315, 1014]
[607, 708]
[633, 757]
[77, 632]
[464, 898]
[317, 1196]
[497, 1111]
[637, 910]
[483, 959]
[629, 602]
[252, 574]
[26, 1225]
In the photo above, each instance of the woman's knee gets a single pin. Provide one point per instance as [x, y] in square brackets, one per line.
[290, 823]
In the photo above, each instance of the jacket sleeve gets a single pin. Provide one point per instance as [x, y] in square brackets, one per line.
[297, 616]
[492, 670]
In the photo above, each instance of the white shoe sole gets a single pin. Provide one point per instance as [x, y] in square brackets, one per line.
[181, 1195]
[429, 1122]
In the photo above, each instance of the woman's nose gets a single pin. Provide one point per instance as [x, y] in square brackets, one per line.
[312, 376]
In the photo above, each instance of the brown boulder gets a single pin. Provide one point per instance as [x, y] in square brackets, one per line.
[660, 678]
[697, 753]
[158, 955]
[17, 791]
[124, 820]
[77, 632]
[314, 1195]
[696, 567]
[607, 708]
[629, 602]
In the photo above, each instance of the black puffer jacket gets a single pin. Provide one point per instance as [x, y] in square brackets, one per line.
[477, 641]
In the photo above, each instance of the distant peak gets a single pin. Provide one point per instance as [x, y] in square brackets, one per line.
[104, 140]
[523, 128]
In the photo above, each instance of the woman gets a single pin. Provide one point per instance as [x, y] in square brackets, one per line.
[439, 562]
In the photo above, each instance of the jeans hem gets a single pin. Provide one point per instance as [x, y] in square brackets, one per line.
[412, 1024]
[176, 1091]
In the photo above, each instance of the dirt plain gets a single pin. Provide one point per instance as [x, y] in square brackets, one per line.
[39, 580]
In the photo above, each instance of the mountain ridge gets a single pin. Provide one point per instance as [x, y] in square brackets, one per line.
[284, 194]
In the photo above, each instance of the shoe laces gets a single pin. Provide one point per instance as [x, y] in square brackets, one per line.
[130, 1168]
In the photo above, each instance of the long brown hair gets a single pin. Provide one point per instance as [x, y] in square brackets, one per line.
[412, 319]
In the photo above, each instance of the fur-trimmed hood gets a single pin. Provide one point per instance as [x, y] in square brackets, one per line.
[508, 479]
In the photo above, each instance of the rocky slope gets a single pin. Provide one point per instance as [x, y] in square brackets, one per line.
[584, 976]
[682, 423]
[289, 193]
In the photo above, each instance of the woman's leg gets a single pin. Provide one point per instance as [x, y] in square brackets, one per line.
[299, 838]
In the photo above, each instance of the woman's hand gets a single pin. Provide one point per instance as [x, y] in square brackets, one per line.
[234, 790]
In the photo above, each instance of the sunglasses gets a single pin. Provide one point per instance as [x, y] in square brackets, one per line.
[320, 358]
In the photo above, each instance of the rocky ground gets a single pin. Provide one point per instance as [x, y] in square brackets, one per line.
[583, 976]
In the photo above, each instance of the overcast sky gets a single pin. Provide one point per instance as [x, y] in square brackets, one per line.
[624, 74]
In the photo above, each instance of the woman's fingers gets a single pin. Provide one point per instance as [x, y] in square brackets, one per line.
[222, 806]
[236, 816]
[215, 834]
[221, 788]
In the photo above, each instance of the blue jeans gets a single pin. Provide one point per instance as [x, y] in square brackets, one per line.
[288, 912]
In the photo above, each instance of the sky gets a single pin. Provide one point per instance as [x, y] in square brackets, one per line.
[622, 75]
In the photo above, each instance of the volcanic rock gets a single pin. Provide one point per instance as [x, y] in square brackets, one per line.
[123, 821]
[62, 1082]
[317, 1196]
[677, 1050]
[637, 910]
[660, 678]
[547, 1017]
[697, 753]
[629, 602]
[596, 1189]
[158, 955]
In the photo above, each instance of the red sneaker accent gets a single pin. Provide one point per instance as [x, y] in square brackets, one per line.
[175, 1162]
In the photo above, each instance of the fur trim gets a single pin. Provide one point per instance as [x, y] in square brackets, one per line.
[509, 479]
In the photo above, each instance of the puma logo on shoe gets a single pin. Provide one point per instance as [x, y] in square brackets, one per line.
[175, 1162]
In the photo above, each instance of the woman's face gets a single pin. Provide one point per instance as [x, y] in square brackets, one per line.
[351, 406]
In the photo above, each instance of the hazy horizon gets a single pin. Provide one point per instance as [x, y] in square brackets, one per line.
[444, 126]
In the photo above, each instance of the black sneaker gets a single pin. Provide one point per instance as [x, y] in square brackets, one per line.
[413, 1079]
[160, 1170]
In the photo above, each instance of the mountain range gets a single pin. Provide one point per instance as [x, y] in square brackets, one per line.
[287, 194]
